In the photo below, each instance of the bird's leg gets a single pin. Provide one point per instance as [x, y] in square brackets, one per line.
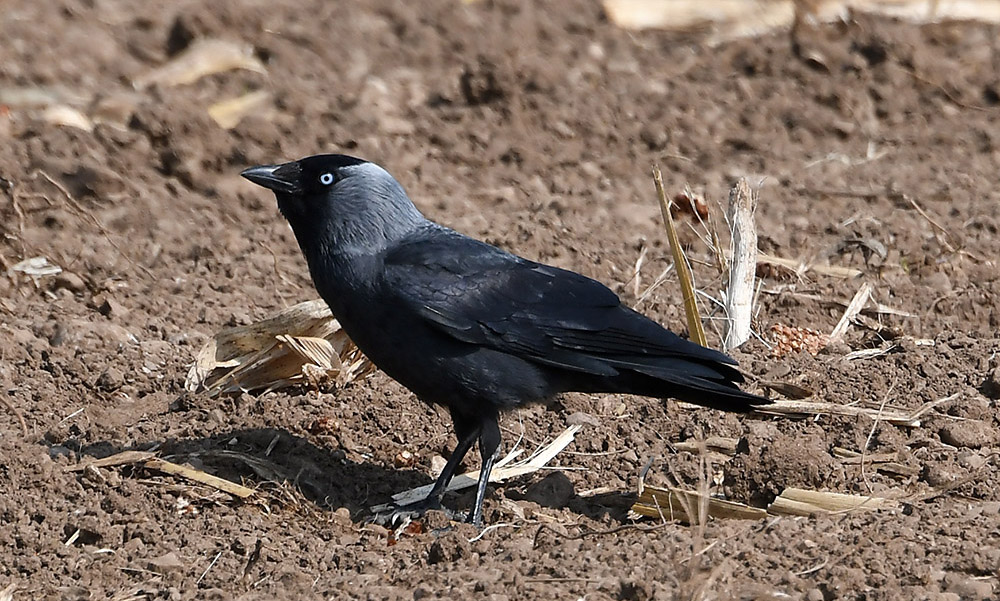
[489, 443]
[467, 433]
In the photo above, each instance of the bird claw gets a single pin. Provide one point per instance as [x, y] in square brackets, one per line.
[398, 517]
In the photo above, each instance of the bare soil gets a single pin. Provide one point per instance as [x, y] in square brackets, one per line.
[533, 127]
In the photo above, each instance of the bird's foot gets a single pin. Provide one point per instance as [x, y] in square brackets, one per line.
[396, 518]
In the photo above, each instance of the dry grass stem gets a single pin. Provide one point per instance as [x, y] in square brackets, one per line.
[696, 330]
[216, 482]
[800, 268]
[123, 458]
[872, 308]
[853, 309]
[891, 416]
[674, 503]
[947, 237]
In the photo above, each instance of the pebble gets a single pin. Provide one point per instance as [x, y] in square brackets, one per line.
[972, 434]
[967, 588]
[554, 490]
[111, 379]
[580, 419]
[991, 387]
[68, 280]
[165, 564]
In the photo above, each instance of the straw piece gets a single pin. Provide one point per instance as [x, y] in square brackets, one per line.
[695, 328]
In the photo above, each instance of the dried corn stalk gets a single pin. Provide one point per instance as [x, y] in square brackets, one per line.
[733, 19]
[674, 503]
[798, 501]
[303, 343]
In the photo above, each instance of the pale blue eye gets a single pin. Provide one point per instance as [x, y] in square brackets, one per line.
[326, 179]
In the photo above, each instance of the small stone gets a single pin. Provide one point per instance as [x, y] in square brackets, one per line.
[447, 548]
[972, 434]
[342, 516]
[654, 138]
[815, 595]
[967, 588]
[68, 280]
[108, 306]
[580, 418]
[991, 387]
[938, 475]
[110, 379]
[165, 564]
[437, 465]
[931, 371]
[554, 490]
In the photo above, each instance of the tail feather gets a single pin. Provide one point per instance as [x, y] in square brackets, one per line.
[709, 384]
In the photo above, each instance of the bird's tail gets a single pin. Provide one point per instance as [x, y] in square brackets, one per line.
[709, 384]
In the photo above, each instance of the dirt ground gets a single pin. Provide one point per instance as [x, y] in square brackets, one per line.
[875, 145]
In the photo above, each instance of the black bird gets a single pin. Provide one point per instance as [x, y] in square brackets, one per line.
[467, 325]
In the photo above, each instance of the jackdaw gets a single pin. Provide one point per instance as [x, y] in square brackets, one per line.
[469, 326]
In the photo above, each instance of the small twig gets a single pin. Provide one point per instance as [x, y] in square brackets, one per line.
[813, 569]
[200, 578]
[10, 407]
[490, 528]
[871, 433]
[853, 308]
[637, 271]
[123, 458]
[93, 219]
[216, 482]
[947, 235]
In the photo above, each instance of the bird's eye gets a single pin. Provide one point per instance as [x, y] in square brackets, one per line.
[326, 179]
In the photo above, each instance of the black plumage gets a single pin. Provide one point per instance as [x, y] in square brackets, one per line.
[467, 325]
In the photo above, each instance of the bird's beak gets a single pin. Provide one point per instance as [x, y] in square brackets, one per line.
[280, 178]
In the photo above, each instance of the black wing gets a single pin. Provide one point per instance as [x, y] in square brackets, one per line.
[479, 294]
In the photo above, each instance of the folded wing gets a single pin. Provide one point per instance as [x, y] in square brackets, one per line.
[482, 295]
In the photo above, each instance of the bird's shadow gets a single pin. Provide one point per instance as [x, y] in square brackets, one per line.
[263, 458]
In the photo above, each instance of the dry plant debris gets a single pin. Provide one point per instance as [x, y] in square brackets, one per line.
[301, 344]
[695, 328]
[505, 469]
[740, 292]
[200, 59]
[896, 417]
[237, 490]
[228, 113]
[733, 19]
[676, 504]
